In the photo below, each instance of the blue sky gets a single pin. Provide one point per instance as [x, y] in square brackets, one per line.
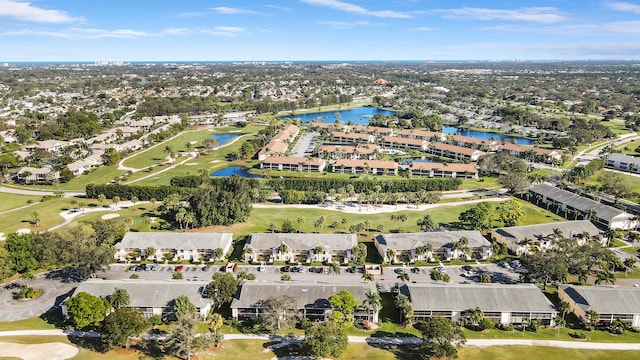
[236, 30]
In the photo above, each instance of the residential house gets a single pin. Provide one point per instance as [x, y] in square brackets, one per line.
[432, 246]
[152, 297]
[290, 247]
[502, 304]
[52, 146]
[312, 298]
[33, 175]
[373, 130]
[540, 237]
[531, 152]
[403, 143]
[610, 302]
[623, 162]
[173, 246]
[292, 163]
[568, 203]
[454, 152]
[440, 170]
[374, 167]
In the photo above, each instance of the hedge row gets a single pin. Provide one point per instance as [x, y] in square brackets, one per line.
[364, 186]
[126, 192]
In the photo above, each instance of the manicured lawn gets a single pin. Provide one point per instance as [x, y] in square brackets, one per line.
[157, 154]
[49, 215]
[12, 201]
[552, 334]
[628, 148]
[539, 352]
[260, 218]
[34, 323]
[632, 181]
[631, 250]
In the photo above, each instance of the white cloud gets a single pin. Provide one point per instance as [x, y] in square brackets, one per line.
[356, 9]
[578, 30]
[624, 6]
[232, 11]
[421, 28]
[343, 24]
[82, 33]
[190, 14]
[220, 31]
[278, 7]
[25, 11]
[531, 14]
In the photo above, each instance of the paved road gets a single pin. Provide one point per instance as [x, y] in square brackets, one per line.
[55, 289]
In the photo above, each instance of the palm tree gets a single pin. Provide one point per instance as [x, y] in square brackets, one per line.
[391, 254]
[335, 268]
[592, 317]
[367, 276]
[563, 308]
[301, 221]
[373, 302]
[153, 204]
[282, 249]
[116, 200]
[134, 200]
[629, 264]
[101, 199]
[560, 322]
[35, 218]
[590, 214]
[317, 251]
[403, 276]
[119, 298]
[475, 316]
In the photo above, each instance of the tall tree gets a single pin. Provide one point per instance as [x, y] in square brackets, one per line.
[511, 213]
[121, 325]
[222, 289]
[441, 336]
[86, 310]
[183, 307]
[427, 223]
[279, 312]
[345, 303]
[325, 339]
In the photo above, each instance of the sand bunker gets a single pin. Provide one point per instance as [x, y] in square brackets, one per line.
[110, 216]
[48, 351]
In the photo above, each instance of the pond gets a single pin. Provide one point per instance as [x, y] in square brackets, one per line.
[234, 170]
[359, 115]
[486, 135]
[224, 138]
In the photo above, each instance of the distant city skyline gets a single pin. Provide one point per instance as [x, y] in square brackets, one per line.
[307, 30]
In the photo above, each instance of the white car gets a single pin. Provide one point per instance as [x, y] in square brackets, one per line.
[262, 267]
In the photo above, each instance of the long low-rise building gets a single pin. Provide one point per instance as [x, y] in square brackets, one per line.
[567, 203]
[611, 303]
[373, 167]
[454, 152]
[293, 247]
[540, 237]
[174, 246]
[395, 142]
[440, 170]
[431, 246]
[623, 162]
[504, 304]
[152, 297]
[288, 163]
[312, 299]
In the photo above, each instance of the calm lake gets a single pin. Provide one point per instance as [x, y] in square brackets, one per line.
[234, 170]
[362, 115]
[224, 138]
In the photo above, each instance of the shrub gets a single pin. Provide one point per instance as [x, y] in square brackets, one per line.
[29, 293]
[578, 335]
[134, 276]
[285, 277]
[486, 323]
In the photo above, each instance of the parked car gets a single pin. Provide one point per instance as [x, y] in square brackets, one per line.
[179, 268]
[206, 268]
[231, 267]
[467, 268]
[415, 270]
[154, 267]
[262, 267]
[286, 268]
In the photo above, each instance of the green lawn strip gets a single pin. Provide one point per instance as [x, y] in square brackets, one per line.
[552, 334]
[633, 250]
[628, 147]
[34, 323]
[635, 274]
[618, 243]
[540, 352]
[12, 201]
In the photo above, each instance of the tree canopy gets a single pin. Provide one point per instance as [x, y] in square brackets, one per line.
[325, 339]
[86, 310]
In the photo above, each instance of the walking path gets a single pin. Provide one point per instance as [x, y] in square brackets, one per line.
[378, 209]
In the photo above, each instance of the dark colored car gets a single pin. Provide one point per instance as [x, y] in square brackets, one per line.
[179, 268]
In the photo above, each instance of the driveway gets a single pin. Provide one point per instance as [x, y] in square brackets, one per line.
[55, 288]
